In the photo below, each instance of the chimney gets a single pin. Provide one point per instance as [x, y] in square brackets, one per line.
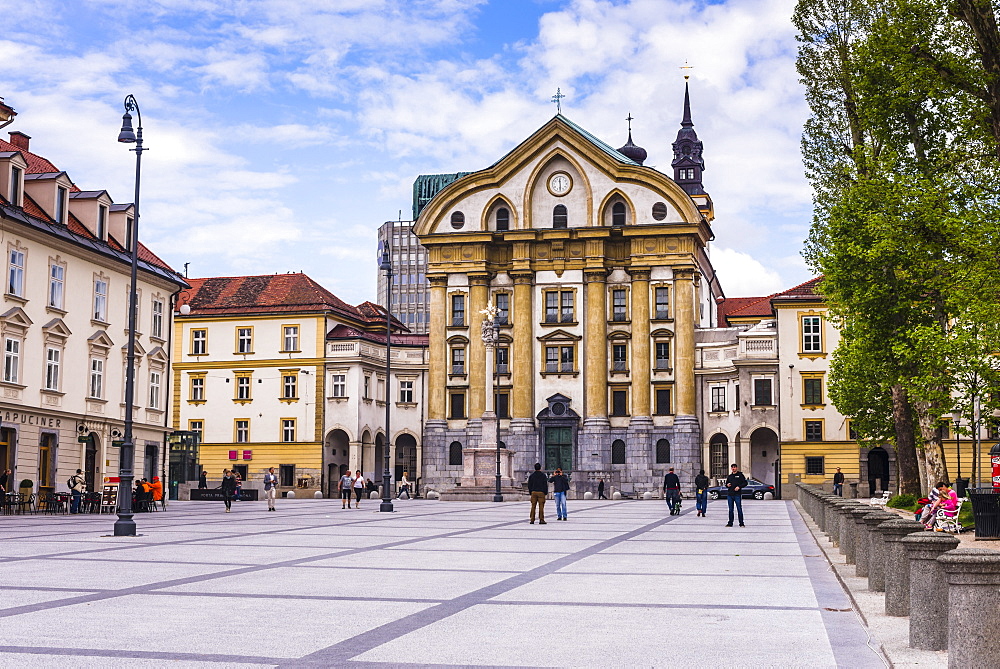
[19, 139]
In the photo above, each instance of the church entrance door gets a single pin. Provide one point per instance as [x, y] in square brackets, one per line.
[559, 448]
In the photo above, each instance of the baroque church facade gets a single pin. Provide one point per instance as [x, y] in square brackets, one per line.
[598, 267]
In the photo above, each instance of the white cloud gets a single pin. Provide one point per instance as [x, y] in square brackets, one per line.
[742, 276]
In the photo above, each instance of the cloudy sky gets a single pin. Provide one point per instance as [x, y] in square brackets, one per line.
[282, 133]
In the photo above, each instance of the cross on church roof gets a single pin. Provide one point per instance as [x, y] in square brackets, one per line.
[629, 119]
[685, 66]
[557, 98]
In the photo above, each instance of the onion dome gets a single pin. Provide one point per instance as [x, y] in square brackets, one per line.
[633, 152]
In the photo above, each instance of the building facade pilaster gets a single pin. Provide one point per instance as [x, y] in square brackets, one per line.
[438, 350]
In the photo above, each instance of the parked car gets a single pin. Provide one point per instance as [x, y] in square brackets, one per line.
[754, 488]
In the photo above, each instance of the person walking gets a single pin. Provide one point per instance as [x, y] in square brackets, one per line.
[701, 493]
[76, 487]
[239, 485]
[560, 486]
[270, 487]
[203, 480]
[345, 485]
[672, 492]
[6, 480]
[838, 483]
[228, 489]
[600, 489]
[359, 489]
[404, 487]
[538, 488]
[735, 482]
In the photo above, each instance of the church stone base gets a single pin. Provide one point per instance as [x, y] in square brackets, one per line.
[484, 493]
[481, 467]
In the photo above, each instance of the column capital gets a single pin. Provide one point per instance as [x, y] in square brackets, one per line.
[640, 273]
[479, 278]
[595, 275]
[438, 280]
[522, 278]
[685, 273]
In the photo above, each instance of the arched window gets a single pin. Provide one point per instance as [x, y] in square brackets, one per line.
[503, 219]
[618, 213]
[718, 453]
[455, 454]
[662, 452]
[457, 220]
[618, 452]
[559, 217]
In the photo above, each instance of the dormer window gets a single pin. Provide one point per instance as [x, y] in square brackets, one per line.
[559, 216]
[102, 222]
[129, 222]
[16, 185]
[62, 198]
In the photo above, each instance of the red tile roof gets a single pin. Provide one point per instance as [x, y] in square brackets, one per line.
[268, 293]
[806, 290]
[347, 332]
[760, 307]
[39, 165]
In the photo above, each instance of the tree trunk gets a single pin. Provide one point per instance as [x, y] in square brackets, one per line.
[936, 467]
[906, 447]
[922, 469]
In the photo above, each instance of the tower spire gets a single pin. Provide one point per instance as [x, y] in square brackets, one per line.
[630, 150]
[688, 162]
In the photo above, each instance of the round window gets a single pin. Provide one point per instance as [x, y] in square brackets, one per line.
[457, 220]
[558, 408]
[659, 211]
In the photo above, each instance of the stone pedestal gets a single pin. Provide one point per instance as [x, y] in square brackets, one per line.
[833, 521]
[973, 581]
[897, 573]
[860, 545]
[928, 589]
[847, 530]
[481, 468]
[876, 549]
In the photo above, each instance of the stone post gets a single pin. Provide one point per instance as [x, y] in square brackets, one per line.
[837, 506]
[853, 485]
[876, 549]
[847, 530]
[860, 544]
[897, 573]
[973, 634]
[928, 589]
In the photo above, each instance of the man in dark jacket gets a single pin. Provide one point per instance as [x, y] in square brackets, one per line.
[228, 489]
[672, 491]
[560, 486]
[735, 482]
[600, 489]
[838, 483]
[701, 493]
[538, 487]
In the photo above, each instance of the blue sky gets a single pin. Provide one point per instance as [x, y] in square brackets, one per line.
[282, 133]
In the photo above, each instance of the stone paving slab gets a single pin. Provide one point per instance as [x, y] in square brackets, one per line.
[436, 583]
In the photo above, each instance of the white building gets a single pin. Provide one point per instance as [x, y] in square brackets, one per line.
[64, 326]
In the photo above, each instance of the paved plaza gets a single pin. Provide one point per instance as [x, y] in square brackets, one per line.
[622, 583]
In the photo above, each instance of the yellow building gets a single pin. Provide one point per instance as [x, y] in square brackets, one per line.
[598, 266]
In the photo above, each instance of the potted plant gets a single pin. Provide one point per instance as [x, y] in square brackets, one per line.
[26, 486]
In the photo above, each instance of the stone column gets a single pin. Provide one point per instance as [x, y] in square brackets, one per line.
[859, 535]
[522, 361]
[640, 370]
[685, 309]
[928, 589]
[847, 530]
[476, 369]
[833, 524]
[897, 573]
[596, 345]
[876, 549]
[973, 581]
[437, 379]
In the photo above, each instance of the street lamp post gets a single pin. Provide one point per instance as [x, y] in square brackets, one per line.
[497, 496]
[385, 264]
[125, 525]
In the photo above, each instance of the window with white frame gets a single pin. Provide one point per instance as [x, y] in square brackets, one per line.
[242, 431]
[15, 273]
[62, 197]
[197, 388]
[101, 300]
[662, 349]
[53, 360]
[96, 378]
[243, 388]
[16, 184]
[406, 392]
[11, 359]
[368, 387]
[662, 295]
[244, 340]
[812, 339]
[102, 222]
[157, 321]
[718, 398]
[57, 284]
[338, 385]
[199, 342]
[154, 390]
[291, 337]
[289, 386]
[288, 429]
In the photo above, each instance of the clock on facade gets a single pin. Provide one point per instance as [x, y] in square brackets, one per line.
[560, 183]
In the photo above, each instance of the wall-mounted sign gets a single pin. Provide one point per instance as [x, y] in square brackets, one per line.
[248, 455]
[234, 455]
